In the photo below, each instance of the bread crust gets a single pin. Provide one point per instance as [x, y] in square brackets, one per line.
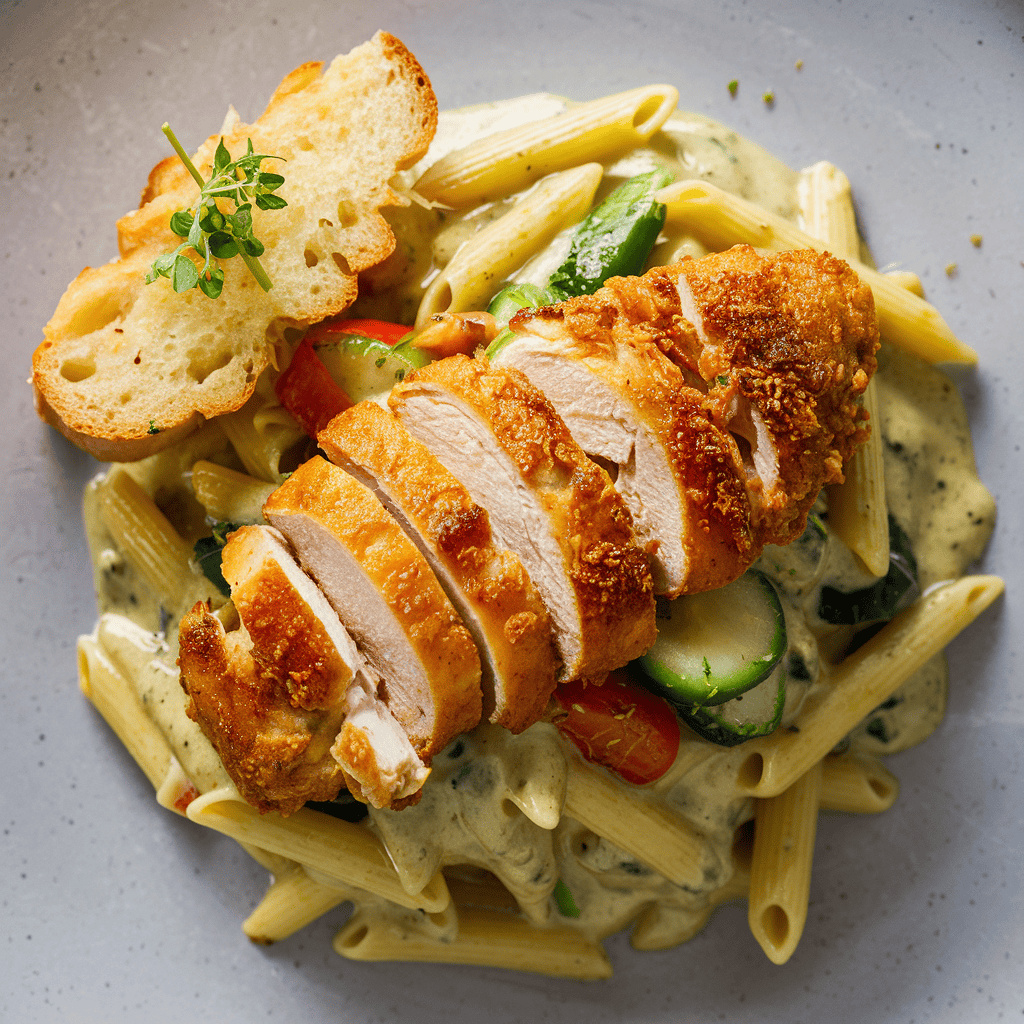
[336, 503]
[605, 565]
[515, 624]
[127, 368]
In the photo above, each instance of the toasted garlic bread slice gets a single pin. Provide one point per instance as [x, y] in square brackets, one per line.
[286, 691]
[486, 583]
[546, 501]
[128, 368]
[386, 595]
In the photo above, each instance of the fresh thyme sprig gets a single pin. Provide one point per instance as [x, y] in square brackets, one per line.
[213, 234]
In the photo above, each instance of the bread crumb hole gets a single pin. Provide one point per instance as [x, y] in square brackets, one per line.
[303, 143]
[202, 363]
[311, 258]
[342, 263]
[76, 370]
[346, 215]
[125, 397]
[325, 223]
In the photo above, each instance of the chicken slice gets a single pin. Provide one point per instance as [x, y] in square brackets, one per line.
[273, 695]
[627, 404]
[785, 344]
[487, 584]
[546, 501]
[387, 597]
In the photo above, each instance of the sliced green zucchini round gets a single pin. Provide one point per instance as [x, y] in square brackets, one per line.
[366, 367]
[711, 647]
[757, 712]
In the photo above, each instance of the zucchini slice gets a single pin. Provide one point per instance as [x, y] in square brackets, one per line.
[366, 367]
[757, 712]
[713, 646]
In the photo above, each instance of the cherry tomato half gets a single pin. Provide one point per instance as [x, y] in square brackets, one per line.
[621, 725]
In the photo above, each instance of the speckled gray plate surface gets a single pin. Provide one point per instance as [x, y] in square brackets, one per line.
[114, 910]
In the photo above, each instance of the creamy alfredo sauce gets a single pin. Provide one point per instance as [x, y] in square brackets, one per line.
[492, 798]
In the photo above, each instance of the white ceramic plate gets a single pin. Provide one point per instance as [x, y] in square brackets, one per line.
[115, 910]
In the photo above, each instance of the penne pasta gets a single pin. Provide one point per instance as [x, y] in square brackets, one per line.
[485, 938]
[261, 432]
[292, 901]
[114, 698]
[479, 267]
[780, 871]
[863, 681]
[857, 784]
[660, 839]
[349, 853]
[509, 161]
[857, 509]
[144, 533]
[228, 495]
[721, 220]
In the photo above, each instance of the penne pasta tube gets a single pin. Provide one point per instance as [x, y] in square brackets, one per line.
[906, 279]
[861, 682]
[721, 220]
[857, 784]
[485, 938]
[825, 205]
[509, 161]
[780, 871]
[292, 901]
[478, 268]
[144, 533]
[228, 495]
[114, 698]
[350, 853]
[857, 508]
[666, 842]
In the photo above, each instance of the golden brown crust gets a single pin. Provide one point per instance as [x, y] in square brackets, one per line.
[277, 755]
[793, 335]
[516, 625]
[289, 642]
[123, 363]
[350, 513]
[620, 334]
[607, 568]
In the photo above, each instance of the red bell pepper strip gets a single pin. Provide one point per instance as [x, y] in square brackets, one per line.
[309, 392]
[381, 330]
[620, 725]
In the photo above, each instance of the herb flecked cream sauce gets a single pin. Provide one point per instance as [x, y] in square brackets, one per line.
[470, 810]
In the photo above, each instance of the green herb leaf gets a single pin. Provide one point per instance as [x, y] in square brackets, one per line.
[212, 283]
[268, 201]
[181, 223]
[209, 230]
[222, 158]
[185, 274]
[564, 900]
[223, 246]
[208, 555]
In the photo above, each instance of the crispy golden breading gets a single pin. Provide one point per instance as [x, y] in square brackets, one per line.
[277, 754]
[487, 583]
[790, 339]
[610, 580]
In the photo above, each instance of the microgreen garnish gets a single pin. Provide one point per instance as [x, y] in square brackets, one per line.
[210, 232]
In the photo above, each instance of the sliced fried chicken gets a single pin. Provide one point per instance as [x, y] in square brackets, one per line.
[286, 699]
[546, 501]
[486, 583]
[627, 404]
[785, 343]
[386, 595]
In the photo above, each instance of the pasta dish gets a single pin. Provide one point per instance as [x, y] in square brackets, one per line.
[495, 761]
